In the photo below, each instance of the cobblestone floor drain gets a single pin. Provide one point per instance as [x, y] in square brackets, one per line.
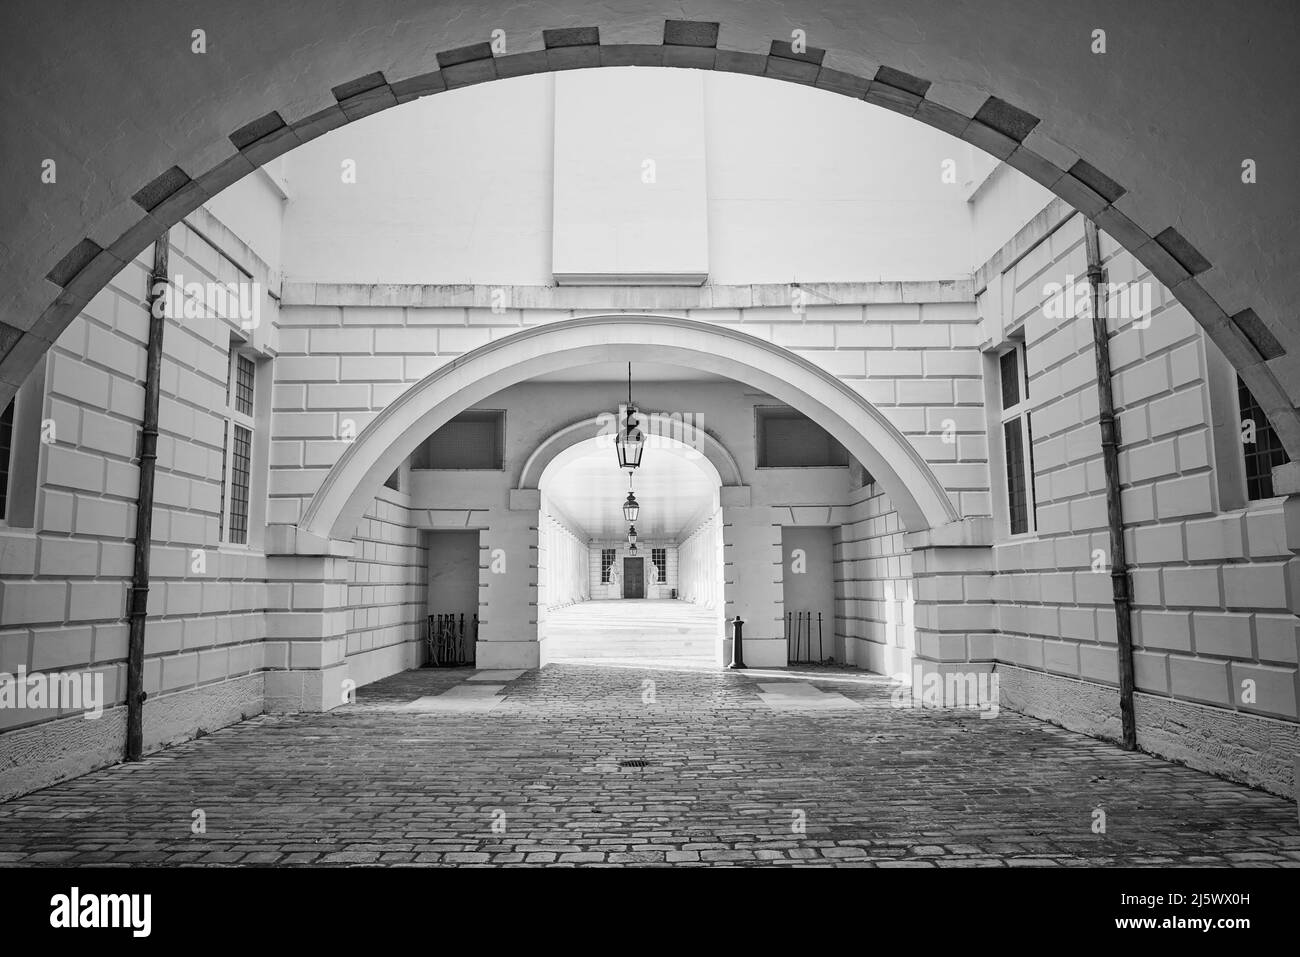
[634, 763]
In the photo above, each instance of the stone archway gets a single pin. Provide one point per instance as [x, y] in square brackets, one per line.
[691, 537]
[1019, 80]
[389, 439]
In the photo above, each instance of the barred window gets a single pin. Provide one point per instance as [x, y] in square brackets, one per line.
[237, 449]
[1017, 441]
[659, 558]
[240, 469]
[1260, 446]
[607, 556]
[243, 385]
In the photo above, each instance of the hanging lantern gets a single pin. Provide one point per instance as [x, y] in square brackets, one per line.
[631, 550]
[631, 508]
[631, 536]
[630, 441]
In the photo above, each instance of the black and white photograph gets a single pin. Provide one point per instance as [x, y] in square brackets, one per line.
[576, 442]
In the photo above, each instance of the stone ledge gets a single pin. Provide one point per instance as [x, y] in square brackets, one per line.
[616, 297]
[1250, 749]
[37, 756]
[973, 532]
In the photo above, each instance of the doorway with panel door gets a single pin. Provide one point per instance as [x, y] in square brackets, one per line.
[633, 577]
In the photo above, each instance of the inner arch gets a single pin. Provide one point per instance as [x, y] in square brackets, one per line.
[390, 438]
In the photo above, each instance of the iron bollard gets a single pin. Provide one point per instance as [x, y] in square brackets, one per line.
[737, 644]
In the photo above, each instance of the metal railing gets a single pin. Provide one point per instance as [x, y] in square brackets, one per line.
[799, 638]
[450, 640]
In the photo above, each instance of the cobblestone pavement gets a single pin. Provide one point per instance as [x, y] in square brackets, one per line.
[730, 779]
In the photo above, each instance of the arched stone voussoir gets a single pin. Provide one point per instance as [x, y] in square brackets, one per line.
[393, 435]
[852, 60]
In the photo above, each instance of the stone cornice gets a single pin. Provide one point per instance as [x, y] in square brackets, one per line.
[709, 296]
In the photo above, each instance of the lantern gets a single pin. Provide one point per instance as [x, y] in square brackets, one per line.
[630, 441]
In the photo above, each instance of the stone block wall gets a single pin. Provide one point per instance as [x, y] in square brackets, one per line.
[64, 581]
[874, 598]
[348, 351]
[1215, 586]
[387, 591]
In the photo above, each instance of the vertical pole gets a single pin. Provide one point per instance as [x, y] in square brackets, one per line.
[138, 600]
[1119, 577]
[737, 644]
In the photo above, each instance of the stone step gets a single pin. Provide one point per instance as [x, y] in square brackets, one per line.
[630, 629]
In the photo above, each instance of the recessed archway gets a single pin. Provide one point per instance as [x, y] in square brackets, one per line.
[1058, 119]
[390, 438]
[687, 433]
[601, 600]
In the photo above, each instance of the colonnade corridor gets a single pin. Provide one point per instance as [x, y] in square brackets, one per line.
[630, 565]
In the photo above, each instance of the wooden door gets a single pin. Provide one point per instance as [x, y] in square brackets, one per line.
[634, 578]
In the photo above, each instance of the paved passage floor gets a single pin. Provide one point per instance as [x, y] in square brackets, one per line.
[654, 764]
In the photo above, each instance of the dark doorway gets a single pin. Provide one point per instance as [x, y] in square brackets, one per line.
[808, 592]
[453, 595]
[634, 578]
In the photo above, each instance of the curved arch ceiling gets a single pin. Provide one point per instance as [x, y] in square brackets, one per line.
[1148, 137]
[674, 486]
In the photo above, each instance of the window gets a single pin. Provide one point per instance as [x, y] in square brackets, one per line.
[237, 449]
[659, 558]
[22, 433]
[607, 556]
[1260, 445]
[394, 481]
[789, 439]
[1017, 440]
[472, 440]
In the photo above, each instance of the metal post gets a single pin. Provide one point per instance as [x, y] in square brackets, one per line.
[138, 596]
[737, 644]
[1120, 590]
